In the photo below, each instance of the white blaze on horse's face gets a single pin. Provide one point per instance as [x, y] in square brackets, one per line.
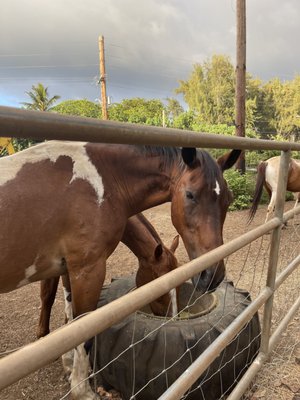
[217, 189]
[83, 168]
[68, 304]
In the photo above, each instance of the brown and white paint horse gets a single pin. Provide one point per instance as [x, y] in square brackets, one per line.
[154, 259]
[64, 207]
[267, 176]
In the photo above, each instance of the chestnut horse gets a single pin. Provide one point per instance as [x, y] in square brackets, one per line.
[267, 176]
[64, 207]
[155, 260]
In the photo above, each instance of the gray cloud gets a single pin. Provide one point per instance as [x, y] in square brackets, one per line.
[150, 45]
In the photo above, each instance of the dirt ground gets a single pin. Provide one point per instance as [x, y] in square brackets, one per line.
[279, 379]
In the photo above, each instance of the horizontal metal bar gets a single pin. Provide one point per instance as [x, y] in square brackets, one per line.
[186, 380]
[35, 355]
[257, 364]
[244, 383]
[287, 271]
[291, 214]
[284, 323]
[15, 122]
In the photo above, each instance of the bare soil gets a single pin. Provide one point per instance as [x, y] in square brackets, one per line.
[279, 379]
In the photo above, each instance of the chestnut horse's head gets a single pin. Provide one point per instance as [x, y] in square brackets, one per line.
[200, 201]
[161, 262]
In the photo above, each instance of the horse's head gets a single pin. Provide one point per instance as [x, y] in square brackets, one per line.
[200, 201]
[161, 262]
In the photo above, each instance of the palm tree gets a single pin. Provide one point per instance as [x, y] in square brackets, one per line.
[40, 98]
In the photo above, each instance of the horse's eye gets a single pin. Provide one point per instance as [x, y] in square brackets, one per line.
[189, 195]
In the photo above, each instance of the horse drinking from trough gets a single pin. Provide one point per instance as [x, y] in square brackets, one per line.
[267, 176]
[64, 207]
[154, 259]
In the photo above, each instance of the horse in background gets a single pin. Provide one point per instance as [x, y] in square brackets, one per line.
[267, 176]
[296, 198]
[154, 260]
[75, 199]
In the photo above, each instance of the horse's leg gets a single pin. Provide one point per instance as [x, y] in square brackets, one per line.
[86, 284]
[296, 198]
[48, 289]
[271, 205]
[67, 358]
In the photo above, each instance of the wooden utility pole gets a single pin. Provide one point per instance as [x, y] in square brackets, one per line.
[240, 93]
[103, 78]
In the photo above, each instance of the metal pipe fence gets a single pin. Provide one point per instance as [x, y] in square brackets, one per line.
[37, 125]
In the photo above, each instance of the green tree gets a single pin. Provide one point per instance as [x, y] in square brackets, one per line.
[254, 102]
[138, 110]
[210, 92]
[185, 120]
[40, 98]
[81, 108]
[282, 107]
[173, 108]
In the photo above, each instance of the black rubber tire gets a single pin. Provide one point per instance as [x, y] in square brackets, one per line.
[151, 355]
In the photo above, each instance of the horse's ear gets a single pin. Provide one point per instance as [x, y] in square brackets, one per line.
[189, 155]
[158, 251]
[229, 159]
[174, 244]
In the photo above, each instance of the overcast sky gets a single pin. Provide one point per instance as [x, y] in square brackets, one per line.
[149, 44]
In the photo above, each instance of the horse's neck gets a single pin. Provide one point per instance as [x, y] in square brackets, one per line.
[139, 180]
[147, 185]
[140, 237]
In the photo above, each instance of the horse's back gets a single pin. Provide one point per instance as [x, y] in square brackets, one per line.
[293, 179]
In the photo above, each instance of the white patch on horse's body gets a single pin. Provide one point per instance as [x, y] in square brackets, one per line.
[68, 358]
[174, 302]
[55, 267]
[30, 271]
[83, 168]
[80, 385]
[68, 304]
[217, 188]
[272, 175]
[271, 179]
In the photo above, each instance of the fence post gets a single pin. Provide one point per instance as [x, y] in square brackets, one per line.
[274, 249]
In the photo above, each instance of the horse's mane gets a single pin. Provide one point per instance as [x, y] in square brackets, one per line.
[169, 155]
[209, 166]
[149, 226]
[172, 155]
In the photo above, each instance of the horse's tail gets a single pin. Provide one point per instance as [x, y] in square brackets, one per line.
[260, 180]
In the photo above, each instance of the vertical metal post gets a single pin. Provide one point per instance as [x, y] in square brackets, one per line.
[274, 249]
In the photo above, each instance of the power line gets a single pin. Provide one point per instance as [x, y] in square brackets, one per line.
[48, 66]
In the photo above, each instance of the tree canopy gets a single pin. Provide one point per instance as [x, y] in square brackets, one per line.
[138, 110]
[272, 108]
[81, 108]
[40, 98]
[209, 91]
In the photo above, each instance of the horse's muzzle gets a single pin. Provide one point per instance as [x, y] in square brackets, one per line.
[209, 279]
